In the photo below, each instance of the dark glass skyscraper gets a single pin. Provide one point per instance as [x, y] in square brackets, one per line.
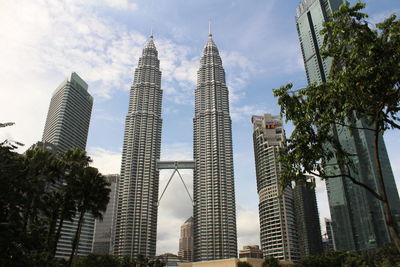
[307, 219]
[136, 228]
[214, 190]
[357, 217]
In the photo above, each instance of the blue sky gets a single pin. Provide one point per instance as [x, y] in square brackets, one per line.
[43, 41]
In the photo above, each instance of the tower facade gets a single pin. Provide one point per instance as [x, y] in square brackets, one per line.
[68, 119]
[66, 127]
[277, 218]
[105, 229]
[136, 227]
[307, 219]
[186, 241]
[357, 217]
[214, 191]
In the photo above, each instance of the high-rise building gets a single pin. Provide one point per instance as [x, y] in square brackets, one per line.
[253, 251]
[186, 241]
[329, 242]
[104, 229]
[277, 218]
[68, 119]
[307, 219]
[357, 216]
[136, 228]
[67, 126]
[214, 190]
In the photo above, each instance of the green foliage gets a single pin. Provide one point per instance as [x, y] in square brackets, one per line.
[364, 83]
[334, 258]
[38, 191]
[270, 261]
[94, 260]
[243, 264]
[386, 256]
[362, 93]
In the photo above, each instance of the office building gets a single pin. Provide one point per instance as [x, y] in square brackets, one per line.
[307, 219]
[66, 127]
[104, 229]
[68, 119]
[136, 227]
[357, 217]
[277, 218]
[214, 190]
[253, 252]
[186, 241]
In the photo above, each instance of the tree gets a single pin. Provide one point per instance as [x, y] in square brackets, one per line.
[72, 161]
[91, 194]
[334, 258]
[243, 264]
[94, 260]
[271, 261]
[362, 93]
[24, 220]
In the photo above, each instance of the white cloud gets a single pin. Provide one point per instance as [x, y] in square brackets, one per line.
[108, 162]
[239, 113]
[122, 4]
[239, 70]
[248, 227]
[175, 206]
[43, 41]
[380, 17]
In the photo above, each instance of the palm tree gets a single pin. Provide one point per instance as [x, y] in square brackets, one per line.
[72, 162]
[91, 194]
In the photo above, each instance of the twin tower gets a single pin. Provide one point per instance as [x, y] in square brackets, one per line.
[214, 192]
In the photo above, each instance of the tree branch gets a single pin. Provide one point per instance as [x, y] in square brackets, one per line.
[353, 127]
[392, 123]
[369, 189]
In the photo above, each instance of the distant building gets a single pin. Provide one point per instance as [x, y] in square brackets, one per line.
[308, 227]
[358, 217]
[169, 259]
[105, 229]
[67, 126]
[278, 232]
[186, 241]
[253, 251]
[329, 240]
[232, 262]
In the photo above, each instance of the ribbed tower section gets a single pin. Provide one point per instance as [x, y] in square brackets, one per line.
[214, 191]
[136, 227]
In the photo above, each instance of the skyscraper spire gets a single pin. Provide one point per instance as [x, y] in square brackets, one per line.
[214, 190]
[209, 28]
[136, 227]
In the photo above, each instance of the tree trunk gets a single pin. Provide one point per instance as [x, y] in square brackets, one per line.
[382, 190]
[76, 238]
[58, 233]
[51, 236]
